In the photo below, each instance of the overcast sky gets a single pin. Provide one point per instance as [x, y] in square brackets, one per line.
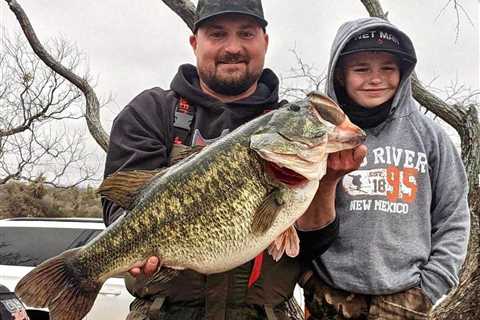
[135, 45]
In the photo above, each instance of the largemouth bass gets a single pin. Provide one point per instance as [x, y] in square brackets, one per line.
[210, 212]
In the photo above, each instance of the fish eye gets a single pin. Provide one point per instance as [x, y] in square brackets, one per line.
[294, 107]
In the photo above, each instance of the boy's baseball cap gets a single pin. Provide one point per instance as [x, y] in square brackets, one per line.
[378, 39]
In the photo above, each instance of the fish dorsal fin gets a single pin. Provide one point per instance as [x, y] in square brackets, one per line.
[288, 242]
[122, 187]
[267, 212]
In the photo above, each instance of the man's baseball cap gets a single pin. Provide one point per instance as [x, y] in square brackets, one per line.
[379, 39]
[207, 9]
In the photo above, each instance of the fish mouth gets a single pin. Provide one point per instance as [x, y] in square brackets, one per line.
[303, 144]
[345, 136]
[308, 161]
[285, 175]
[295, 168]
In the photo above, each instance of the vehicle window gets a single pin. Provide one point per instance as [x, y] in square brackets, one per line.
[86, 236]
[23, 246]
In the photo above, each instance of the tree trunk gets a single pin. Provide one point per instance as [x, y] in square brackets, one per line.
[185, 9]
[463, 302]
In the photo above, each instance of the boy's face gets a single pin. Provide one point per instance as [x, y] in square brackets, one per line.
[370, 78]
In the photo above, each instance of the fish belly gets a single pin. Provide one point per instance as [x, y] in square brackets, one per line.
[235, 251]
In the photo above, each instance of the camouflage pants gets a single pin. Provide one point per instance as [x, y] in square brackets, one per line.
[154, 309]
[326, 303]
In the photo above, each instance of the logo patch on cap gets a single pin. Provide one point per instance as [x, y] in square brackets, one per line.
[378, 35]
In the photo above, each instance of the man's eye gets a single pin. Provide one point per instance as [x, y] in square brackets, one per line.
[217, 35]
[247, 34]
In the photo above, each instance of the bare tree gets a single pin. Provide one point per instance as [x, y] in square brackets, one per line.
[301, 79]
[461, 115]
[92, 109]
[33, 98]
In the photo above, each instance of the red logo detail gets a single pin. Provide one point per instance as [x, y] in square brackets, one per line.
[199, 141]
[184, 106]
[177, 140]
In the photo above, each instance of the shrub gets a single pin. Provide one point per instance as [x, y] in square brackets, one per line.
[39, 200]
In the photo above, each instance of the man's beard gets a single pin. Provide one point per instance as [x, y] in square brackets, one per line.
[233, 85]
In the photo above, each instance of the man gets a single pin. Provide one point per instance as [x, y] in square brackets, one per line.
[227, 88]
[404, 213]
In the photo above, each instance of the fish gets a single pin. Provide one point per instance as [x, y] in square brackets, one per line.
[213, 211]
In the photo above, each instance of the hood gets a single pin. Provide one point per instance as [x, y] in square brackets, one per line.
[356, 27]
[187, 84]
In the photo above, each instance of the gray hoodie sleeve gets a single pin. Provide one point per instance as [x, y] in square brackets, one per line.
[450, 220]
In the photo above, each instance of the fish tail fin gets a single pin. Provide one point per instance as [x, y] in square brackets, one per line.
[55, 284]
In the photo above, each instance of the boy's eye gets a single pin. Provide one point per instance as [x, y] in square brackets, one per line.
[360, 69]
[390, 68]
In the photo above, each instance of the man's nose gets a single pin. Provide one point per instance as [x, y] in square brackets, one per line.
[233, 45]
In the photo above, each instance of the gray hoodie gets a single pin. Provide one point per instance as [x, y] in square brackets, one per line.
[404, 217]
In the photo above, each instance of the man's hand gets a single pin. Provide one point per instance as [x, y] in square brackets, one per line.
[322, 209]
[148, 268]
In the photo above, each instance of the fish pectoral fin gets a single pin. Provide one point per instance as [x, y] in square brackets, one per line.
[292, 242]
[123, 187]
[288, 242]
[275, 251]
[267, 212]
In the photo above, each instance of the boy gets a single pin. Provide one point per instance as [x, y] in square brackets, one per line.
[404, 214]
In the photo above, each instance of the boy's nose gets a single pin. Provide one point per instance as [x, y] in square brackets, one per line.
[376, 77]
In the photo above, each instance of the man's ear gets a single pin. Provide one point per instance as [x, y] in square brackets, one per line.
[193, 42]
[266, 41]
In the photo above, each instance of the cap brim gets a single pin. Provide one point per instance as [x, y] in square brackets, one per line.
[402, 54]
[263, 23]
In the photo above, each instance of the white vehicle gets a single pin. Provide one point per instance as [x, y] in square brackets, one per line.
[26, 242]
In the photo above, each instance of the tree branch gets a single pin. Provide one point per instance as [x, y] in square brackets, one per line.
[185, 9]
[92, 104]
[374, 8]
